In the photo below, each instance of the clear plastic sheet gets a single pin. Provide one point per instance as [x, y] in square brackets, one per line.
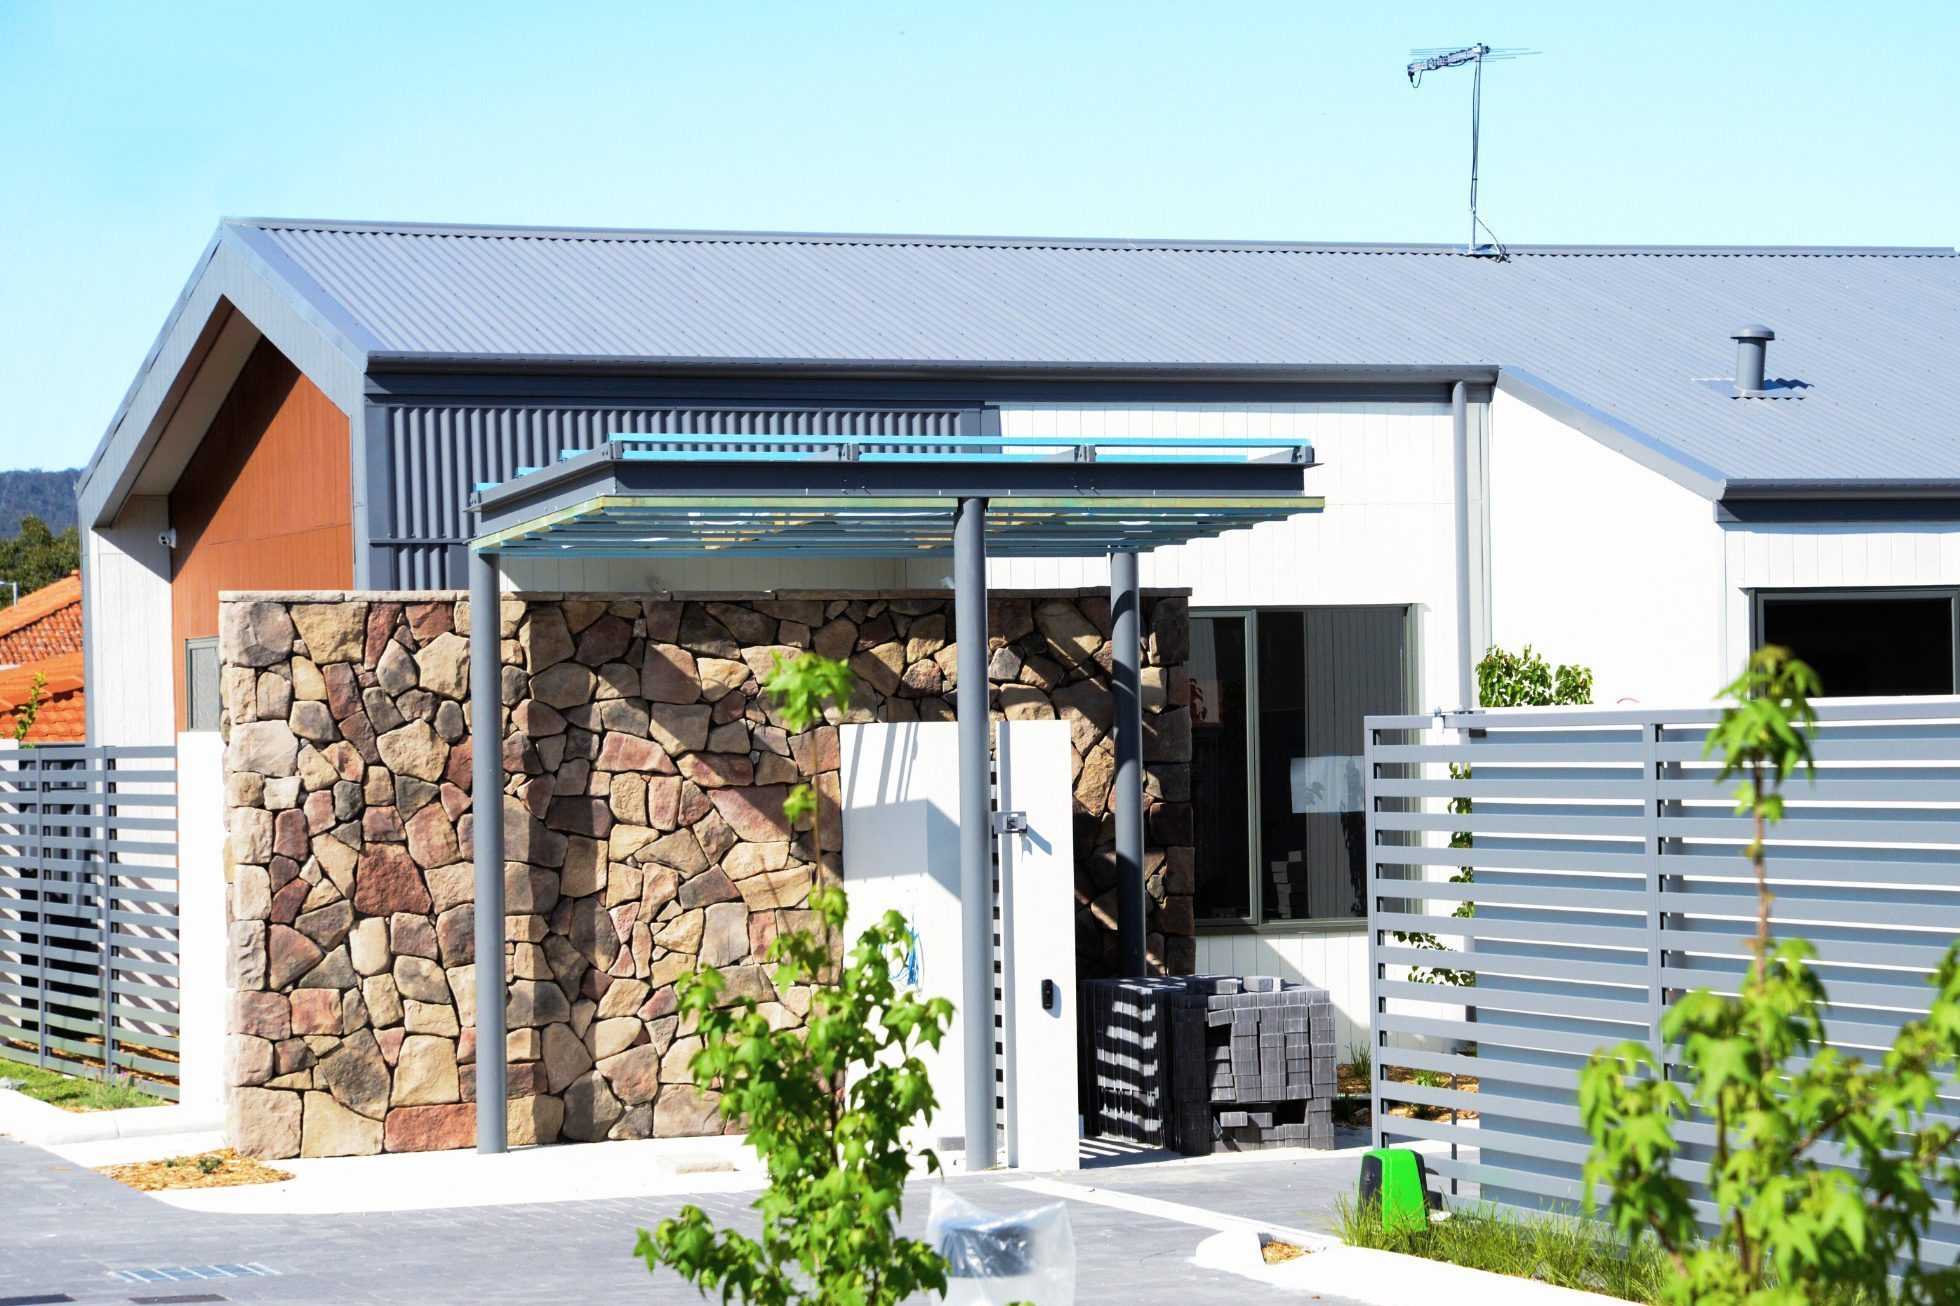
[995, 1258]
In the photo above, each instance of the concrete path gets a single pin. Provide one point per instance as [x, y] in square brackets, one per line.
[1136, 1226]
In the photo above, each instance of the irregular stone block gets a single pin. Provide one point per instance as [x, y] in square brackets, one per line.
[262, 1123]
[389, 881]
[330, 1129]
[430, 1128]
[289, 955]
[421, 979]
[443, 666]
[265, 748]
[414, 749]
[356, 1076]
[680, 728]
[254, 634]
[425, 1072]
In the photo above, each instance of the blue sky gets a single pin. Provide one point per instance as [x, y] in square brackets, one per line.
[127, 130]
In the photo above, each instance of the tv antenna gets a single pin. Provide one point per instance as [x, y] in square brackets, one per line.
[1438, 57]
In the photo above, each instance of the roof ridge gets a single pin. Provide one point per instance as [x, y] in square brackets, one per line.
[660, 235]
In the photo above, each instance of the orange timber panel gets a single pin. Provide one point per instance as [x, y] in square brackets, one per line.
[266, 502]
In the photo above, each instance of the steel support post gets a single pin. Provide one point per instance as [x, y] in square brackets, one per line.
[976, 828]
[1126, 677]
[487, 847]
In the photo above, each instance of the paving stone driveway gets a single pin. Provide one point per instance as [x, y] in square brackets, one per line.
[67, 1229]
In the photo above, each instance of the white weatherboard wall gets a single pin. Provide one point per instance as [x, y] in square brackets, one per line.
[1037, 912]
[126, 575]
[1596, 560]
[901, 802]
[1850, 555]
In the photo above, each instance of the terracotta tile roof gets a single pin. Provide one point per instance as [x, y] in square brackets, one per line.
[44, 624]
[60, 719]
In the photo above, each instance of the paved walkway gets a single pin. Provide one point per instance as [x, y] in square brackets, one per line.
[69, 1231]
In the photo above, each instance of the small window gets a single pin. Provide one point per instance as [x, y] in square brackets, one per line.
[201, 694]
[1865, 643]
[1277, 704]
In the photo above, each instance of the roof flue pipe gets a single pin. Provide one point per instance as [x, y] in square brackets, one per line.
[1751, 352]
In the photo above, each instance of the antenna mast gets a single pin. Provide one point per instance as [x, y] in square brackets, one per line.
[1474, 55]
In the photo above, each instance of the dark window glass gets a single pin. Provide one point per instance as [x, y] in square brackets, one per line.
[1218, 767]
[1868, 644]
[1320, 673]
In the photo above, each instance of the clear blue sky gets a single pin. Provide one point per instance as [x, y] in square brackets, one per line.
[128, 130]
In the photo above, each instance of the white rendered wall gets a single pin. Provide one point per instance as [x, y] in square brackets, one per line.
[1596, 560]
[201, 932]
[131, 672]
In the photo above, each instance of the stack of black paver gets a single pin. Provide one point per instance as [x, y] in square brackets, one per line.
[1202, 1062]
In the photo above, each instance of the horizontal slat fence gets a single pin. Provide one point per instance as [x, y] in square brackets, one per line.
[88, 911]
[1608, 880]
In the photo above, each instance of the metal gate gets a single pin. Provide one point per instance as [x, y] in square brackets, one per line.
[88, 911]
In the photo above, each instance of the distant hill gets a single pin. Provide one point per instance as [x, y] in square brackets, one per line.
[47, 495]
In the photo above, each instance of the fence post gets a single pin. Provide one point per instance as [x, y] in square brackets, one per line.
[105, 885]
[1651, 809]
[32, 787]
[1377, 1005]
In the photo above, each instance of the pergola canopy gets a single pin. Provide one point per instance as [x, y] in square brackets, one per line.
[892, 496]
[653, 495]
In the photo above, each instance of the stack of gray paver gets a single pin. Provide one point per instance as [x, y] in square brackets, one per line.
[1201, 1063]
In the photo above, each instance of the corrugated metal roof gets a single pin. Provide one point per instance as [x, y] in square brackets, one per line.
[1630, 333]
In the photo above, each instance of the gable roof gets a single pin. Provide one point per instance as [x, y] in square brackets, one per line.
[43, 624]
[1621, 339]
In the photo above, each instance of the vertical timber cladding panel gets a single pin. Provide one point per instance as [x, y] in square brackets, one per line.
[266, 502]
[644, 782]
[439, 453]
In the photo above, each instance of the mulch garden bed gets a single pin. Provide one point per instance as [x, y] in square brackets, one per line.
[1355, 1085]
[223, 1168]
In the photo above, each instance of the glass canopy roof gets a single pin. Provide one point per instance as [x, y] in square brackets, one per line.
[645, 495]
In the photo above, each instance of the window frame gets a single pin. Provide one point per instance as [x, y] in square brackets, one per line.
[1758, 594]
[192, 647]
[1256, 919]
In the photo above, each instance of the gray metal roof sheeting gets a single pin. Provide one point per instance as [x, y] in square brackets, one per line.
[1628, 335]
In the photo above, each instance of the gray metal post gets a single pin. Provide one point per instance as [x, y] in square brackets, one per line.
[1126, 682]
[1466, 681]
[487, 847]
[976, 828]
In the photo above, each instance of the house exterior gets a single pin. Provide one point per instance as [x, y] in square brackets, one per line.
[41, 642]
[1566, 448]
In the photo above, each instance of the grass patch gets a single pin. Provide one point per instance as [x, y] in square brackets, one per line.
[73, 1093]
[1565, 1253]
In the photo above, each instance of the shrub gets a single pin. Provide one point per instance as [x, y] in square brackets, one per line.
[825, 1106]
[1790, 1226]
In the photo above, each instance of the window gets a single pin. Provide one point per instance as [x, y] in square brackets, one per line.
[1866, 643]
[1277, 702]
[201, 696]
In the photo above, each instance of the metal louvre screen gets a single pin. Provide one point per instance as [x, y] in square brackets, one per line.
[1609, 879]
[88, 911]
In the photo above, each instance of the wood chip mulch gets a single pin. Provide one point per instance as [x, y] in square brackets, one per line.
[1275, 1252]
[223, 1168]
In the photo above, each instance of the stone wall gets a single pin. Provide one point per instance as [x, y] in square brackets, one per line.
[644, 778]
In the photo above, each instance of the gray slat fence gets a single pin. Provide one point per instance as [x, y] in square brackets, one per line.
[1609, 879]
[88, 911]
